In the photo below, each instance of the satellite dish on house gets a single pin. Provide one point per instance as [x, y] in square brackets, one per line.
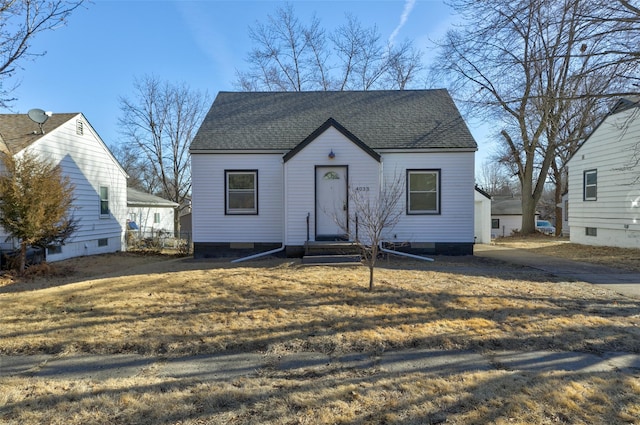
[39, 116]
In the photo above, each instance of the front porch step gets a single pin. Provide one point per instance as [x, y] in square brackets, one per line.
[330, 248]
[331, 259]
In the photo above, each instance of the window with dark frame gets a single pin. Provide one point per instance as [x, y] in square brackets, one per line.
[54, 249]
[495, 223]
[591, 185]
[104, 200]
[591, 231]
[423, 191]
[241, 192]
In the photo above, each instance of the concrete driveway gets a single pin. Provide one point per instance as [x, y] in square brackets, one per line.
[621, 281]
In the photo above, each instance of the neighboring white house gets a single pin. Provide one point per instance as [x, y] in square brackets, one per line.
[506, 216]
[564, 206]
[604, 181]
[482, 216]
[100, 204]
[273, 169]
[151, 214]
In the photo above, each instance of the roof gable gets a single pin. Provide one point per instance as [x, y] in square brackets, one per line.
[621, 105]
[280, 121]
[324, 127]
[18, 131]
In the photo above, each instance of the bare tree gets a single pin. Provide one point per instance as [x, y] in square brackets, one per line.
[372, 215]
[36, 205]
[495, 178]
[524, 64]
[139, 171]
[160, 123]
[20, 22]
[620, 20]
[291, 56]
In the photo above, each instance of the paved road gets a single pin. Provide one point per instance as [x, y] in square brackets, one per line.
[623, 282]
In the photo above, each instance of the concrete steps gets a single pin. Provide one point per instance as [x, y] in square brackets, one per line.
[331, 252]
[331, 259]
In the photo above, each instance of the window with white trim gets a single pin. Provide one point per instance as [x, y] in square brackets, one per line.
[104, 200]
[241, 192]
[423, 191]
[591, 185]
[156, 218]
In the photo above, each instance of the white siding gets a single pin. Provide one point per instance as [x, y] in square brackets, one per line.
[363, 171]
[287, 193]
[482, 217]
[210, 224]
[508, 225]
[145, 219]
[89, 164]
[455, 223]
[616, 212]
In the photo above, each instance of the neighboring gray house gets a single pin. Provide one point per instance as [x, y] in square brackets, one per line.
[604, 181]
[152, 214]
[272, 170]
[100, 204]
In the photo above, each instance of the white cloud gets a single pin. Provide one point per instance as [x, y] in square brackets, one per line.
[408, 6]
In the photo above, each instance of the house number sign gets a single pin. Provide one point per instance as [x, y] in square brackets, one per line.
[362, 189]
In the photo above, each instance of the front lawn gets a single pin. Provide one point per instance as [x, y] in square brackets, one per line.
[184, 307]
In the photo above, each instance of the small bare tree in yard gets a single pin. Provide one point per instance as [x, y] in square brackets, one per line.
[36, 203]
[371, 215]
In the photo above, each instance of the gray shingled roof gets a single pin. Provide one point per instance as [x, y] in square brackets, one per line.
[17, 131]
[506, 206]
[408, 119]
[136, 198]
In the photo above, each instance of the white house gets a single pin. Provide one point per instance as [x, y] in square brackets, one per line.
[482, 216]
[274, 169]
[100, 204]
[564, 206]
[151, 214]
[506, 216]
[604, 181]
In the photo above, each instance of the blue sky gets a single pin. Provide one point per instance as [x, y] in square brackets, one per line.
[93, 60]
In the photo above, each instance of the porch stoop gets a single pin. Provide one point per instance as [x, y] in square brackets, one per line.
[331, 252]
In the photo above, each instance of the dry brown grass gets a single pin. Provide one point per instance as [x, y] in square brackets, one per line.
[183, 307]
[623, 258]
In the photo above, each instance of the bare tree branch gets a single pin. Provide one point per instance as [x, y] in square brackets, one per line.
[524, 64]
[288, 55]
[20, 22]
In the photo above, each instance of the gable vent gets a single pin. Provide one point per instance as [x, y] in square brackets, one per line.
[79, 127]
